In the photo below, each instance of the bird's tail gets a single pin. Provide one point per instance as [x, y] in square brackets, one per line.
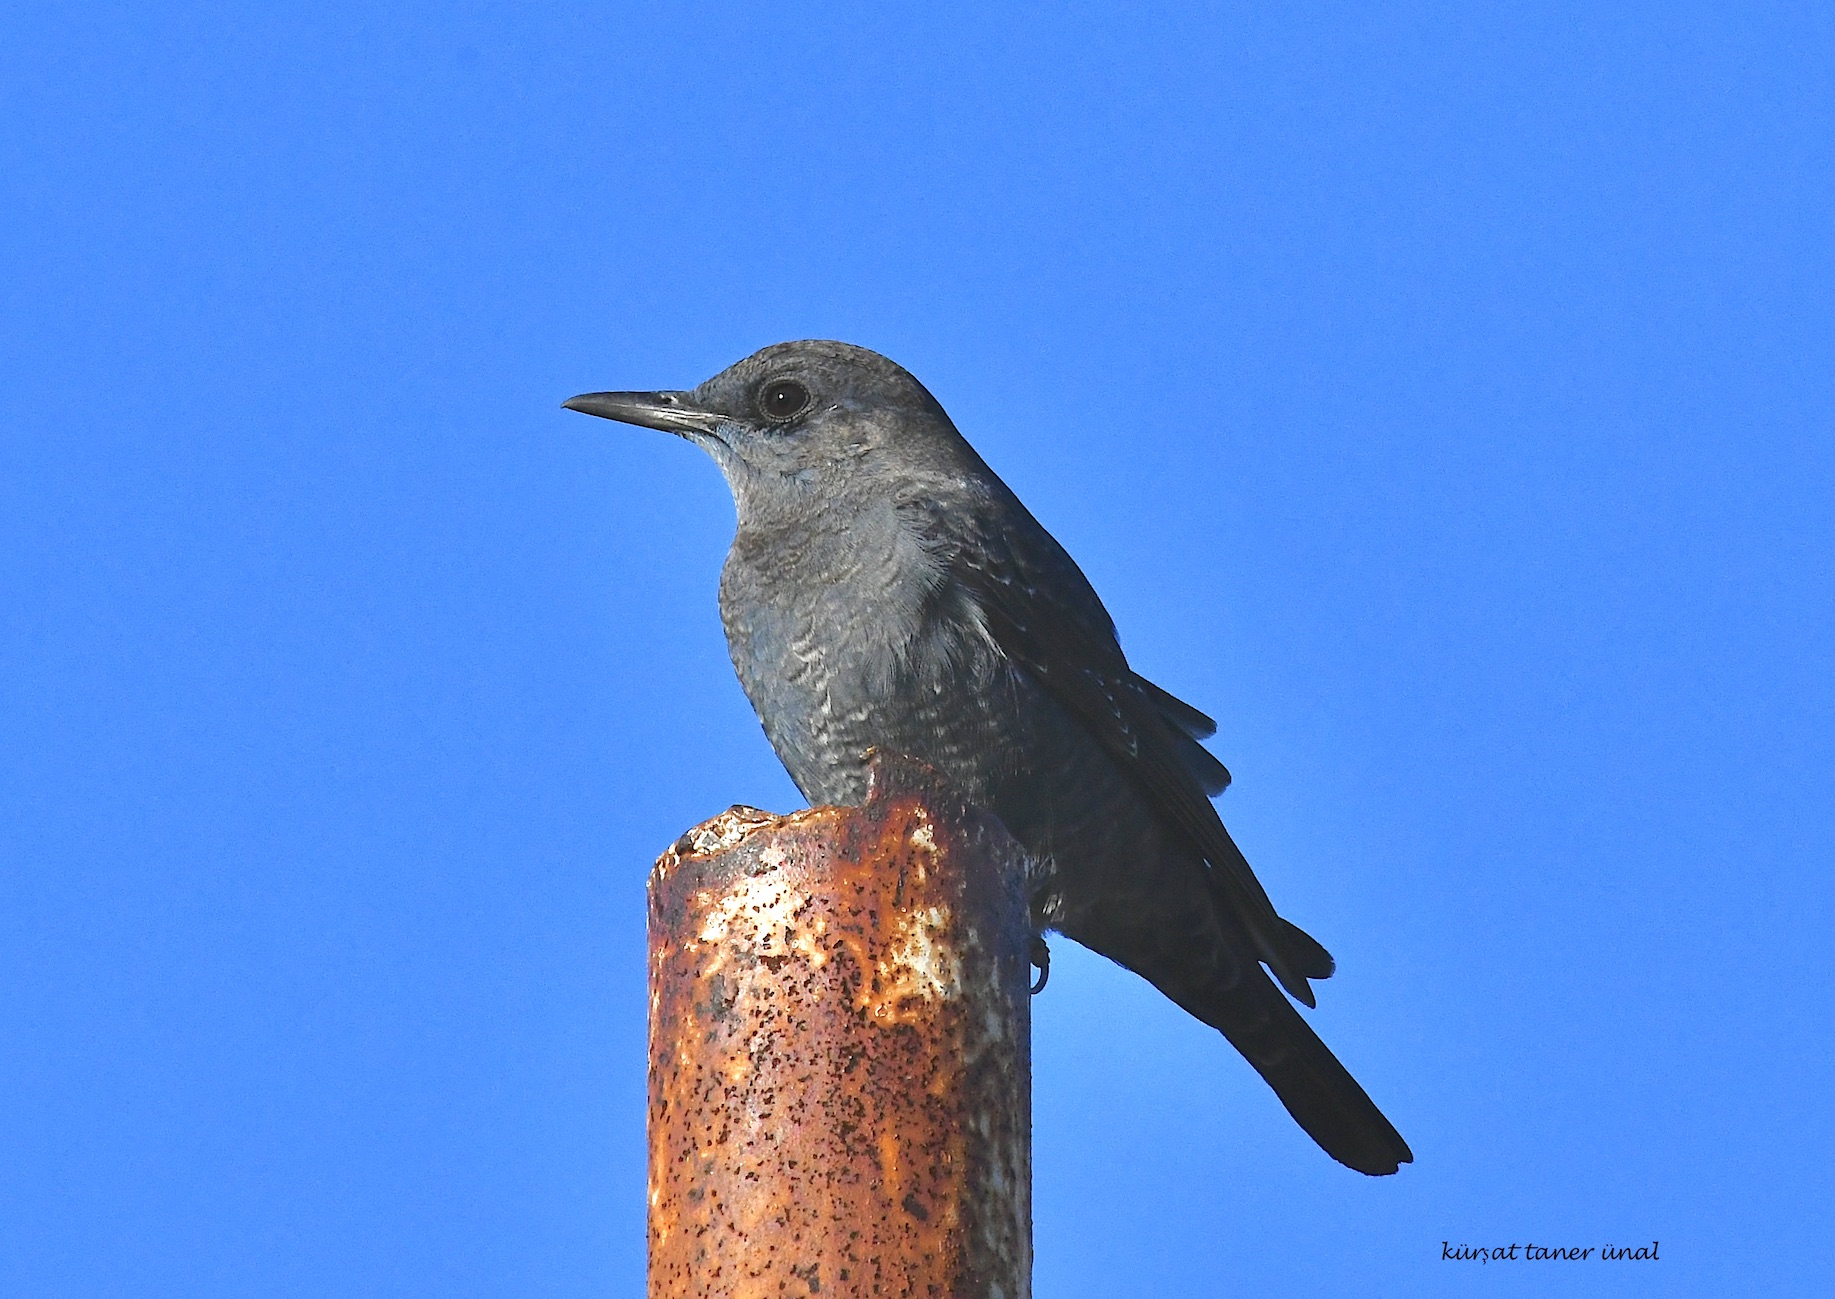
[1164, 923]
[1317, 1090]
[1198, 961]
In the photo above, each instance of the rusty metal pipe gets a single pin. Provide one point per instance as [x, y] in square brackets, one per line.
[840, 1052]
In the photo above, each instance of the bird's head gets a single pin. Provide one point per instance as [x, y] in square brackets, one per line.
[801, 417]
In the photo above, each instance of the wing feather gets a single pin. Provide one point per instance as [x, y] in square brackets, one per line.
[1045, 616]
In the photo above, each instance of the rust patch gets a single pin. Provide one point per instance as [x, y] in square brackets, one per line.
[840, 1072]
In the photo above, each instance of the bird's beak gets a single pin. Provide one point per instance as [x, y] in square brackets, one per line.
[672, 412]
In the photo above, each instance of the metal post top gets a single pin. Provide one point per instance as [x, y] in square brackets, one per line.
[840, 1058]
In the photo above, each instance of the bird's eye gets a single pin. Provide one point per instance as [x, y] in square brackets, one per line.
[781, 399]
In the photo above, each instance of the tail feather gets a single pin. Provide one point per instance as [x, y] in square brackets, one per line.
[1164, 921]
[1239, 1000]
[1316, 1089]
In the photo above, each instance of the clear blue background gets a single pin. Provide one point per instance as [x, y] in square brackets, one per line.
[1440, 396]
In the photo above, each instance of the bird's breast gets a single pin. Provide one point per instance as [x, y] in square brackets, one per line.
[863, 644]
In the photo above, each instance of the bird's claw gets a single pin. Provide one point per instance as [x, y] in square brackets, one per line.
[1041, 961]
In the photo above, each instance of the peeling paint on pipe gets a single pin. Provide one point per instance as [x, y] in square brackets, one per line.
[840, 1052]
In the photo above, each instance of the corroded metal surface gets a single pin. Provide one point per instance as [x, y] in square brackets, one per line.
[840, 1061]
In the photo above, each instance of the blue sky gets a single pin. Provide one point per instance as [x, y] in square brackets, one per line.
[1440, 397]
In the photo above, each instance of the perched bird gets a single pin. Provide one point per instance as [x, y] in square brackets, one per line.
[886, 589]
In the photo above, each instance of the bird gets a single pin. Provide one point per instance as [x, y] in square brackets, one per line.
[886, 590]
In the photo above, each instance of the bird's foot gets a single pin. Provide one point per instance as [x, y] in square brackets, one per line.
[1041, 961]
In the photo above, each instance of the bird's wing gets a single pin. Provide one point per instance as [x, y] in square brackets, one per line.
[1044, 615]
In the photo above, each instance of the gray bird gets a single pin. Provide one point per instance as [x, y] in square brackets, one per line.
[885, 589]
